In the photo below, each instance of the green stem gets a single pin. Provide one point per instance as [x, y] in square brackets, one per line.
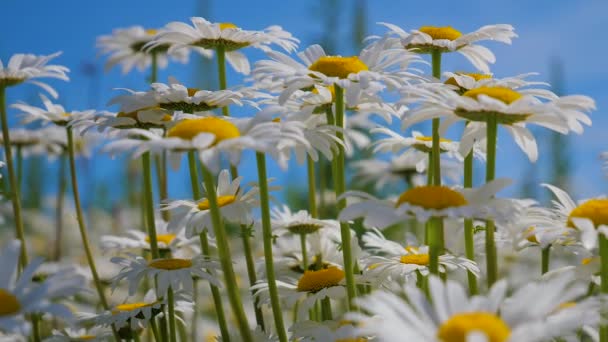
[155, 330]
[603, 242]
[225, 256]
[12, 178]
[149, 204]
[19, 167]
[469, 244]
[312, 193]
[545, 255]
[267, 238]
[59, 208]
[326, 309]
[436, 61]
[171, 305]
[429, 170]
[221, 69]
[154, 68]
[434, 245]
[206, 250]
[304, 252]
[340, 187]
[491, 262]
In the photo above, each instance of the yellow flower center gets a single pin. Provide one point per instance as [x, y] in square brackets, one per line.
[224, 26]
[151, 32]
[530, 236]
[506, 95]
[192, 91]
[170, 264]
[586, 261]
[432, 197]
[314, 281]
[595, 210]
[129, 307]
[458, 327]
[9, 304]
[566, 305]
[221, 201]
[189, 128]
[85, 337]
[446, 32]
[411, 249]
[338, 66]
[164, 238]
[429, 139]
[416, 259]
[475, 76]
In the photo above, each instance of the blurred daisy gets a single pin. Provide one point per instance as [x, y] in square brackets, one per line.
[26, 67]
[392, 262]
[21, 297]
[226, 36]
[235, 205]
[454, 317]
[257, 335]
[176, 273]
[125, 47]
[424, 202]
[298, 223]
[429, 39]
[311, 331]
[38, 142]
[51, 112]
[95, 334]
[375, 68]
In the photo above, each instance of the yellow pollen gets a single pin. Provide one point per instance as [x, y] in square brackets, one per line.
[566, 305]
[86, 337]
[475, 76]
[586, 261]
[411, 249]
[9, 304]
[416, 259]
[224, 26]
[151, 32]
[189, 128]
[459, 326]
[129, 307]
[446, 32]
[338, 66]
[314, 281]
[595, 210]
[432, 197]
[170, 264]
[164, 238]
[192, 91]
[430, 139]
[530, 236]
[503, 94]
[276, 120]
[221, 201]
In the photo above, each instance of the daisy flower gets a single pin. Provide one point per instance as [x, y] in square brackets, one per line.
[38, 142]
[51, 112]
[20, 296]
[424, 202]
[311, 331]
[391, 261]
[430, 39]
[525, 315]
[225, 36]
[235, 205]
[95, 334]
[509, 108]
[26, 67]
[174, 273]
[298, 223]
[125, 47]
[375, 68]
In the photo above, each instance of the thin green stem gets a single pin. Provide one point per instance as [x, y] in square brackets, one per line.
[340, 188]
[304, 252]
[545, 255]
[225, 256]
[434, 245]
[19, 167]
[267, 238]
[149, 204]
[154, 330]
[171, 305]
[221, 69]
[603, 242]
[491, 261]
[154, 69]
[326, 309]
[206, 249]
[469, 243]
[12, 178]
[312, 192]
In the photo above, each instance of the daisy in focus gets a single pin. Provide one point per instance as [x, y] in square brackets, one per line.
[433, 39]
[27, 67]
[226, 37]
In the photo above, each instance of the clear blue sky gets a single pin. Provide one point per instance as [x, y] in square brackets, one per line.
[569, 30]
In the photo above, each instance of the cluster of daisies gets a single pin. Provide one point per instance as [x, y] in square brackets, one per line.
[434, 262]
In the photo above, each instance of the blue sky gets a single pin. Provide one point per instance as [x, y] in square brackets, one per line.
[570, 31]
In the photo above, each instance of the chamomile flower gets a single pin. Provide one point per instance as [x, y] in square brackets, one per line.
[311, 331]
[226, 36]
[51, 112]
[512, 109]
[176, 273]
[429, 39]
[424, 202]
[392, 262]
[298, 223]
[37, 141]
[95, 334]
[135, 239]
[20, 296]
[311, 287]
[525, 315]
[235, 205]
[27, 67]
[125, 47]
[374, 69]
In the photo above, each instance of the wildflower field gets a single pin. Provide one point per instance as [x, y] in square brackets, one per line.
[397, 226]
